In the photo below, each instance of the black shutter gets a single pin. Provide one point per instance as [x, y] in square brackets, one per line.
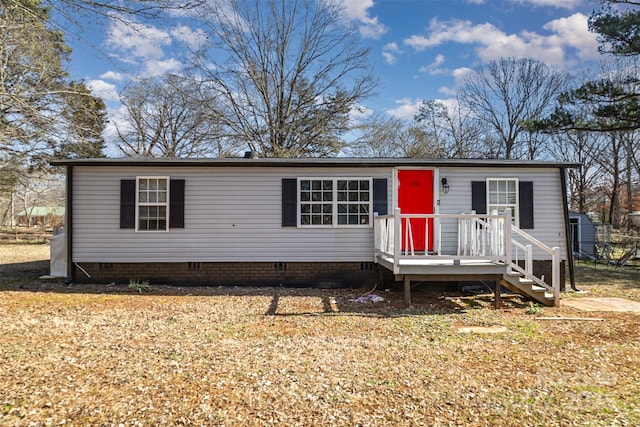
[128, 203]
[479, 197]
[380, 196]
[176, 203]
[289, 202]
[525, 189]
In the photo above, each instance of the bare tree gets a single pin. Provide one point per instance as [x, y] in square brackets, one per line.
[610, 157]
[380, 135]
[27, 190]
[454, 130]
[286, 73]
[164, 117]
[504, 93]
[77, 18]
[612, 164]
[632, 172]
[585, 148]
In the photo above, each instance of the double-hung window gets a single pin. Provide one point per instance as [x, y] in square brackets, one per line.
[502, 194]
[334, 202]
[152, 207]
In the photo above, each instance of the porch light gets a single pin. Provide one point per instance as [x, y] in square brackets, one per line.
[445, 185]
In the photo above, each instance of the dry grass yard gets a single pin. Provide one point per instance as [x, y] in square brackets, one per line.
[105, 355]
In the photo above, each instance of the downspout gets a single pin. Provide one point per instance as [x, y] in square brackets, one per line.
[69, 224]
[565, 208]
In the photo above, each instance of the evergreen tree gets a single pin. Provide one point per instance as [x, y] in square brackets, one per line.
[613, 99]
[42, 112]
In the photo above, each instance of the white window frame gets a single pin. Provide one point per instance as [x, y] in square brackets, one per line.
[166, 204]
[334, 202]
[515, 208]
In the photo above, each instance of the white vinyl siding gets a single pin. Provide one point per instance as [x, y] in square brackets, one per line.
[548, 203]
[231, 215]
[234, 214]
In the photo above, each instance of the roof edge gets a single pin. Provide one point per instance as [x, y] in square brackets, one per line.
[307, 162]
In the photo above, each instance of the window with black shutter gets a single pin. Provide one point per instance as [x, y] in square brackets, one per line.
[380, 196]
[128, 203]
[332, 202]
[498, 194]
[176, 203]
[289, 202]
[152, 203]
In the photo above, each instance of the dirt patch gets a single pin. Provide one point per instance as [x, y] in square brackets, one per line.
[607, 281]
[106, 355]
[603, 304]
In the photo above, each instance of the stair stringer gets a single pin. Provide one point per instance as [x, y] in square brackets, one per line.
[517, 283]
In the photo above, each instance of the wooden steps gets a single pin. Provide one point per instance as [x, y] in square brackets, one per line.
[441, 268]
[517, 283]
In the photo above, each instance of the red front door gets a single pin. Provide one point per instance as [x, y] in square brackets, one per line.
[415, 196]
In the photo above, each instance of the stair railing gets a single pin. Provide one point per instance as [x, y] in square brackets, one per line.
[527, 271]
[490, 237]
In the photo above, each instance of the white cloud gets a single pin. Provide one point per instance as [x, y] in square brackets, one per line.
[112, 75]
[406, 109]
[452, 104]
[390, 53]
[433, 68]
[526, 44]
[156, 67]
[358, 10]
[567, 4]
[449, 91]
[104, 90]
[493, 43]
[574, 31]
[458, 74]
[140, 40]
[194, 39]
[359, 112]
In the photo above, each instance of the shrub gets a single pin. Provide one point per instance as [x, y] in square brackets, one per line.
[534, 309]
[139, 286]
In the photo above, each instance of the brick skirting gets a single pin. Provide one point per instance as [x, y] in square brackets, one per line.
[290, 274]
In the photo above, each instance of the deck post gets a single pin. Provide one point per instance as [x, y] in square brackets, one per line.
[507, 238]
[397, 240]
[555, 273]
[461, 238]
[498, 294]
[472, 239]
[407, 290]
[377, 246]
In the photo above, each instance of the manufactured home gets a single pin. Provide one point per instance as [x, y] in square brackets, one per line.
[318, 222]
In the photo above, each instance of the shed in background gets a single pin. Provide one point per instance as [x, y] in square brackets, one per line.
[583, 236]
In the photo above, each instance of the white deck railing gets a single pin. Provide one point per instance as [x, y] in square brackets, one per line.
[478, 237]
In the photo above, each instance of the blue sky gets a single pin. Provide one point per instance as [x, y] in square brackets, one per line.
[420, 48]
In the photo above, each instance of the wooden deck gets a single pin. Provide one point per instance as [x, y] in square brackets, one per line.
[486, 250]
[443, 266]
